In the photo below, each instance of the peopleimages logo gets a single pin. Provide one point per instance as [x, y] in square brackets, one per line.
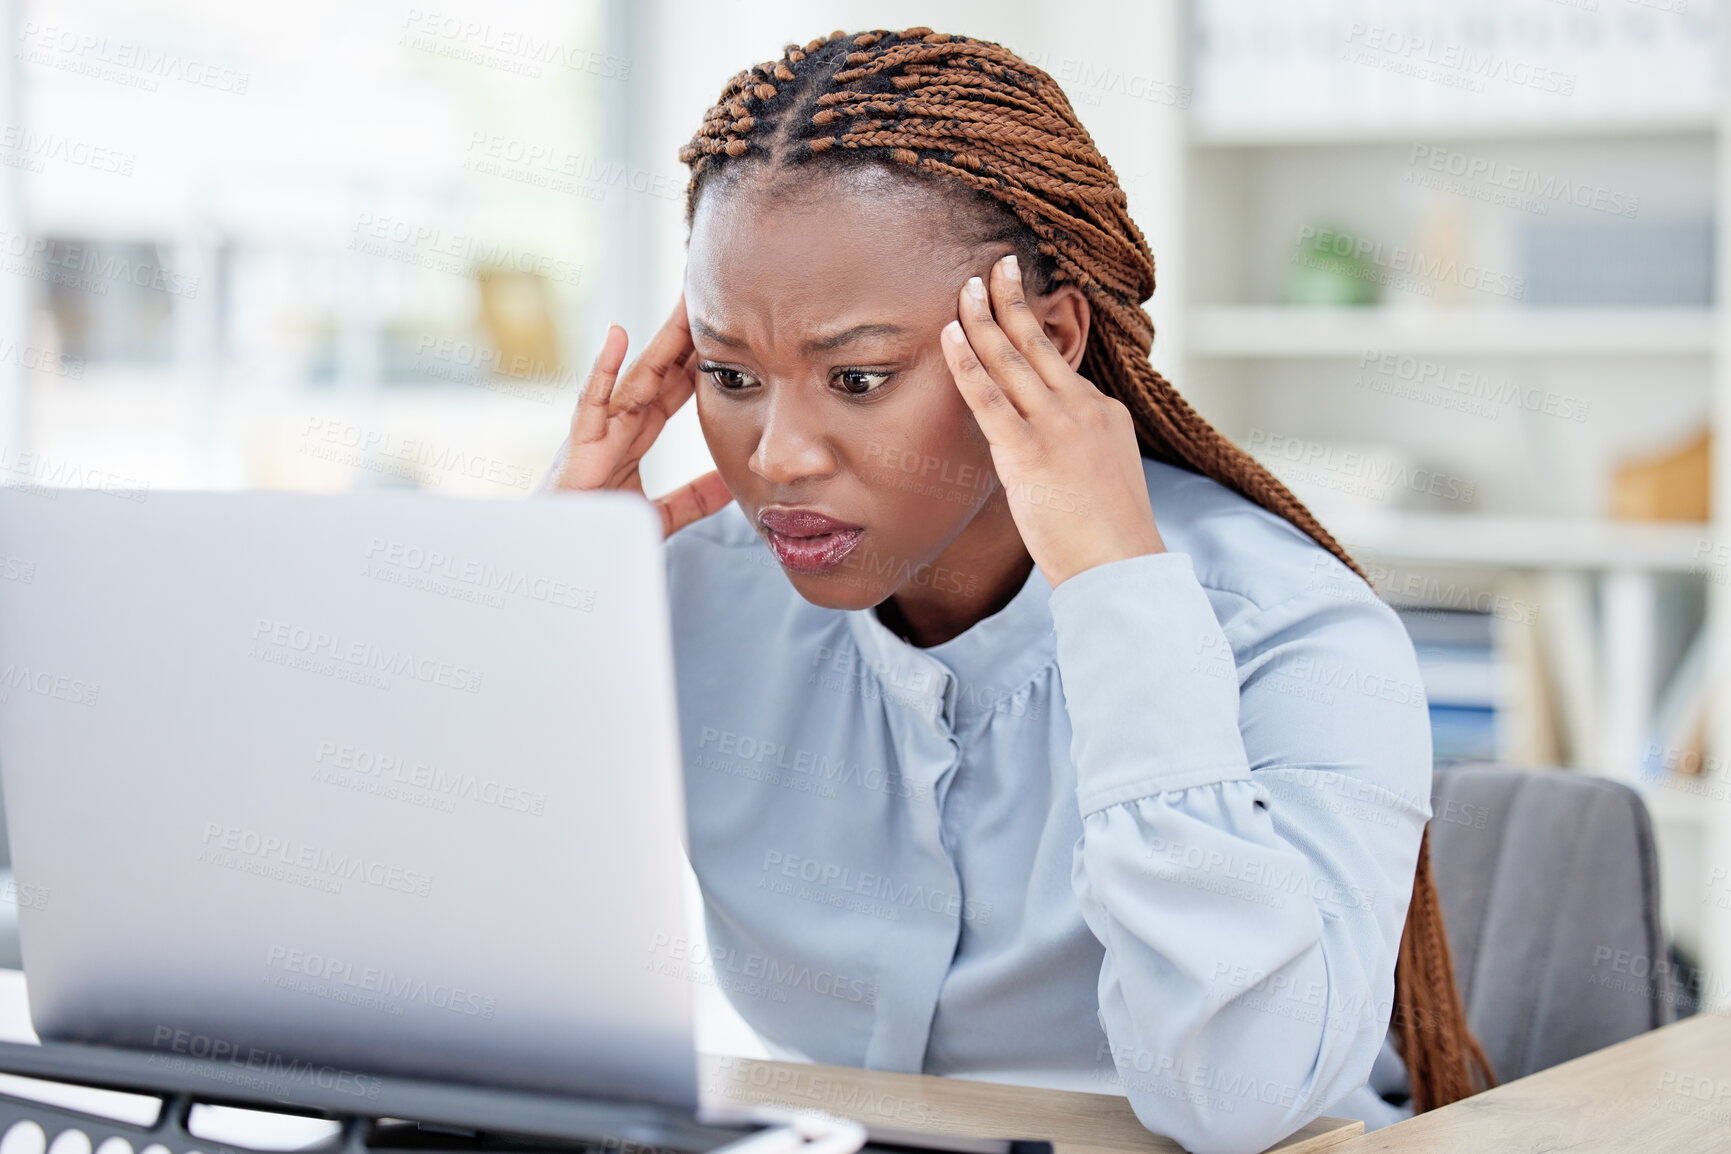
[1461, 389]
[896, 895]
[31, 469]
[778, 763]
[206, 1056]
[776, 976]
[1456, 65]
[122, 61]
[1372, 476]
[336, 972]
[25, 897]
[33, 148]
[373, 770]
[418, 459]
[548, 165]
[1486, 178]
[89, 268]
[298, 646]
[1399, 266]
[510, 49]
[225, 845]
[459, 253]
[482, 576]
[43, 683]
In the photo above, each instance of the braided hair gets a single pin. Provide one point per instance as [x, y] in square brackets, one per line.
[970, 115]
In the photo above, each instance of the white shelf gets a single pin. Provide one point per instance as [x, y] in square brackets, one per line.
[1267, 331]
[1406, 132]
[1524, 542]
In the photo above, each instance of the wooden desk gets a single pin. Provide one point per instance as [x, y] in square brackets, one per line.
[1663, 1091]
[1074, 1123]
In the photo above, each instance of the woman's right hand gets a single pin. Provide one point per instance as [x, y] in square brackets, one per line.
[619, 416]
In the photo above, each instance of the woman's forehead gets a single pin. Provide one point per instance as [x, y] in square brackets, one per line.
[862, 206]
[883, 250]
[840, 210]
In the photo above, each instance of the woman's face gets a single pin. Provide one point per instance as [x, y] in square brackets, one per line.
[823, 393]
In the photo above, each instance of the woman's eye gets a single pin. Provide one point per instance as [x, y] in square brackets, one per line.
[858, 382]
[728, 380]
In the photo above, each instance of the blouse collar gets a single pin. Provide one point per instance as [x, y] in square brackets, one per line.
[988, 667]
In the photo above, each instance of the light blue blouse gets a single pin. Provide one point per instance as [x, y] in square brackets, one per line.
[1152, 832]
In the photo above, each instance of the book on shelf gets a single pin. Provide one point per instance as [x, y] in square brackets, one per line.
[1677, 742]
[1485, 681]
[1463, 678]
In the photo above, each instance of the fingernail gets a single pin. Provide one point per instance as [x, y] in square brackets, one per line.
[953, 330]
[1011, 267]
[976, 288]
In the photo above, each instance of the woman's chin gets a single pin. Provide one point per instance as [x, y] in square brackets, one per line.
[837, 589]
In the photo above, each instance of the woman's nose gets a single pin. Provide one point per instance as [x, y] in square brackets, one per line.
[793, 443]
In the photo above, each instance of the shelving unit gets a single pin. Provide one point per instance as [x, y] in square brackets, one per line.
[1455, 128]
[1288, 133]
[1520, 542]
[1252, 331]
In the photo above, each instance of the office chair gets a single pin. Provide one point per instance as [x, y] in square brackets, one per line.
[1549, 884]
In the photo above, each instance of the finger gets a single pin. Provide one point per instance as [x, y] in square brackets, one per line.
[613, 457]
[589, 421]
[601, 449]
[583, 462]
[590, 456]
[1007, 366]
[680, 385]
[1010, 306]
[674, 393]
[692, 502]
[999, 419]
[665, 351]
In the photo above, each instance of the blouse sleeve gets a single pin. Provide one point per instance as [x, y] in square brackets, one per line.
[1251, 807]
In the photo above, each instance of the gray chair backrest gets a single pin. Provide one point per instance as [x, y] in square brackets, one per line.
[1549, 884]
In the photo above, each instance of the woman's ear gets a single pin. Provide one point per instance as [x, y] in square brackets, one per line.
[1064, 315]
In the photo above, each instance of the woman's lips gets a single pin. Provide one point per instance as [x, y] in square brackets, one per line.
[807, 541]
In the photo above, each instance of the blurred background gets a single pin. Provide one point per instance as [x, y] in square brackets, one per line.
[1448, 268]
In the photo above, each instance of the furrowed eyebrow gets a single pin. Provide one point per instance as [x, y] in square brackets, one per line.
[848, 336]
[815, 345]
[700, 326]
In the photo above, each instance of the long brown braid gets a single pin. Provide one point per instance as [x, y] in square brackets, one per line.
[965, 112]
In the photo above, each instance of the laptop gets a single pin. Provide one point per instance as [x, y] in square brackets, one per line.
[387, 781]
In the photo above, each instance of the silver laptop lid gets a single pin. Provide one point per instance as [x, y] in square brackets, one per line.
[385, 781]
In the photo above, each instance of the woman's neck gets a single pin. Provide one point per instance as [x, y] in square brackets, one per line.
[980, 572]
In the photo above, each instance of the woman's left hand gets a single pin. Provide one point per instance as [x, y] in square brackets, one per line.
[1065, 452]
